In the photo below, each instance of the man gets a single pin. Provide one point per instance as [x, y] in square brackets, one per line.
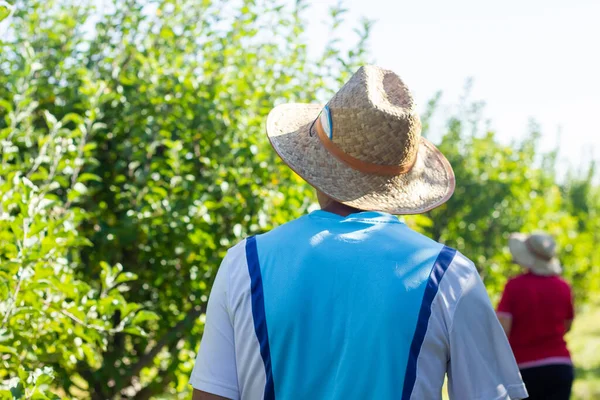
[348, 302]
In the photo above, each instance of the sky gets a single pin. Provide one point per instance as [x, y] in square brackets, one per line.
[528, 59]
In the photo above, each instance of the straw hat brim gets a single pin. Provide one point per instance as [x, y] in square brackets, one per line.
[525, 258]
[429, 184]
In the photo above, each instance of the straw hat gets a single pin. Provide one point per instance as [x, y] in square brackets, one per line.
[364, 148]
[535, 252]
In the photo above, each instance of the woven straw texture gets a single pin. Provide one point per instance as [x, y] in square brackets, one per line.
[542, 244]
[374, 120]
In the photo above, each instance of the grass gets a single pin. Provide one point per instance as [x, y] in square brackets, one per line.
[584, 343]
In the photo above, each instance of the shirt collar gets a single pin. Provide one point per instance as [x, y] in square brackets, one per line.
[375, 217]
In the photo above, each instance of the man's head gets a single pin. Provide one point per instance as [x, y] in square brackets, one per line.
[364, 148]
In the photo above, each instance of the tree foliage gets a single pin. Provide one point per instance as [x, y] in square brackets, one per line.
[133, 155]
[512, 187]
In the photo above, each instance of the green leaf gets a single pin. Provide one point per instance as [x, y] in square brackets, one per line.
[50, 119]
[5, 10]
[18, 391]
[37, 395]
[135, 330]
[17, 229]
[6, 105]
[72, 117]
[126, 277]
[6, 335]
[80, 188]
[160, 191]
[166, 33]
[8, 350]
[90, 147]
[22, 373]
[85, 177]
[6, 394]
[144, 315]
[45, 379]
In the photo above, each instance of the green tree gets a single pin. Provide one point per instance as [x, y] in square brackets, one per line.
[133, 155]
[140, 129]
[504, 188]
[6, 9]
[49, 314]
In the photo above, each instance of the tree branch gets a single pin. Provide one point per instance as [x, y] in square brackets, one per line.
[96, 388]
[166, 377]
[171, 336]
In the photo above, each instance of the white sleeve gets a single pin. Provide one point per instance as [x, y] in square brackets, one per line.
[482, 365]
[215, 369]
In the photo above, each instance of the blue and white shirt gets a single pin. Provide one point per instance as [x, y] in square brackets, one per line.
[361, 307]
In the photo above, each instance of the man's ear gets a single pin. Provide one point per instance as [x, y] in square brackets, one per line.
[323, 199]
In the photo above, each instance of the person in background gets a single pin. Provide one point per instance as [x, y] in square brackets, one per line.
[536, 310]
[348, 302]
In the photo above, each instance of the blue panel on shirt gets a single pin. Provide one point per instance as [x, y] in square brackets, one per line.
[342, 298]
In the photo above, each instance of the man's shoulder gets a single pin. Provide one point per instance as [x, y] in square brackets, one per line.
[462, 270]
[286, 229]
[460, 277]
[235, 255]
[420, 239]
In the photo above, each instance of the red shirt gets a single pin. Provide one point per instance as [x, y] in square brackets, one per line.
[539, 306]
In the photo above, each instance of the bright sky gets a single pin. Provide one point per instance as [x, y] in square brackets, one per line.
[528, 58]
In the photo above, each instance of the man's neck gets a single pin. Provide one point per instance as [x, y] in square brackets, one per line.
[340, 209]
